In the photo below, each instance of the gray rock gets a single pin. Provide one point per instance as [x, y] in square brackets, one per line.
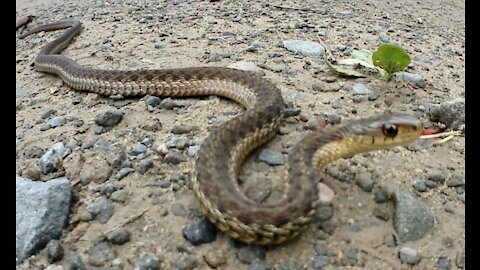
[443, 263]
[108, 118]
[96, 170]
[193, 150]
[320, 261]
[381, 195]
[248, 254]
[390, 241]
[456, 180]
[290, 112]
[102, 145]
[306, 48]
[451, 113]
[186, 262]
[350, 257]
[200, 232]
[179, 210]
[100, 253]
[409, 256]
[416, 79]
[258, 264]
[247, 66]
[271, 157]
[144, 165]
[431, 184]
[51, 161]
[74, 261]
[324, 213]
[57, 121]
[147, 262]
[364, 181]
[360, 89]
[138, 149]
[174, 157]
[413, 219]
[331, 118]
[48, 113]
[33, 151]
[54, 251]
[183, 129]
[420, 185]
[170, 104]
[153, 101]
[373, 96]
[101, 209]
[42, 210]
[119, 236]
[124, 172]
[119, 196]
[20, 92]
[436, 176]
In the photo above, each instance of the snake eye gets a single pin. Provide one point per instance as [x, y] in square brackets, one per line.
[390, 130]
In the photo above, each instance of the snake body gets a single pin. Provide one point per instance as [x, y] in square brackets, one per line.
[224, 149]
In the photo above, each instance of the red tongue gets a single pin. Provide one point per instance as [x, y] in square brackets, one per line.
[427, 131]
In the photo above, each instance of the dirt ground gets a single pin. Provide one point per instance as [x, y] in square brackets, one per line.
[170, 34]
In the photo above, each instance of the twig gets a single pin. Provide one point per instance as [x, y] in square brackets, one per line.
[129, 220]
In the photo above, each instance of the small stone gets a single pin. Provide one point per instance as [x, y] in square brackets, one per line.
[451, 113]
[331, 118]
[51, 161]
[457, 180]
[119, 236]
[307, 48]
[247, 66]
[101, 209]
[174, 157]
[324, 213]
[108, 118]
[179, 210]
[183, 129]
[153, 101]
[350, 257]
[450, 207]
[144, 166]
[360, 89]
[186, 262]
[147, 262]
[193, 150]
[364, 181]
[381, 195]
[412, 219]
[119, 196]
[124, 172]
[33, 151]
[271, 157]
[258, 264]
[409, 256]
[200, 232]
[100, 253]
[57, 121]
[373, 96]
[326, 87]
[290, 112]
[381, 213]
[443, 263]
[54, 251]
[215, 259]
[431, 184]
[320, 261]
[74, 261]
[437, 177]
[416, 79]
[420, 185]
[315, 123]
[48, 113]
[96, 170]
[138, 149]
[170, 104]
[248, 254]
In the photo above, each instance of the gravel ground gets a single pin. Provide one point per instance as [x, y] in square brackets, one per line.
[128, 161]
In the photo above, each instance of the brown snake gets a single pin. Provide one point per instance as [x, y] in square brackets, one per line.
[225, 148]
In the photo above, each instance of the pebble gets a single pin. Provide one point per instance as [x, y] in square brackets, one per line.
[51, 161]
[381, 195]
[431, 184]
[315, 123]
[147, 262]
[364, 181]
[179, 210]
[101, 209]
[153, 101]
[324, 213]
[258, 264]
[119, 236]
[215, 258]
[108, 118]
[193, 150]
[247, 66]
[119, 196]
[416, 79]
[390, 241]
[174, 157]
[74, 261]
[138, 149]
[381, 213]
[360, 89]
[436, 176]
[444, 263]
[307, 48]
[183, 129]
[326, 87]
[54, 251]
[248, 254]
[451, 113]
[186, 262]
[100, 253]
[200, 232]
[20, 92]
[144, 165]
[96, 170]
[412, 219]
[33, 151]
[290, 112]
[271, 157]
[350, 257]
[331, 118]
[373, 96]
[48, 113]
[320, 261]
[42, 210]
[124, 172]
[456, 180]
[57, 121]
[420, 184]
[170, 104]
[409, 256]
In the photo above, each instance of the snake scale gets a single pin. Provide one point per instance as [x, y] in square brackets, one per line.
[225, 148]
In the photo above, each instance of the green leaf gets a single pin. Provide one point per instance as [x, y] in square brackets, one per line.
[391, 58]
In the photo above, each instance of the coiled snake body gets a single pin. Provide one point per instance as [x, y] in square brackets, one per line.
[225, 148]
